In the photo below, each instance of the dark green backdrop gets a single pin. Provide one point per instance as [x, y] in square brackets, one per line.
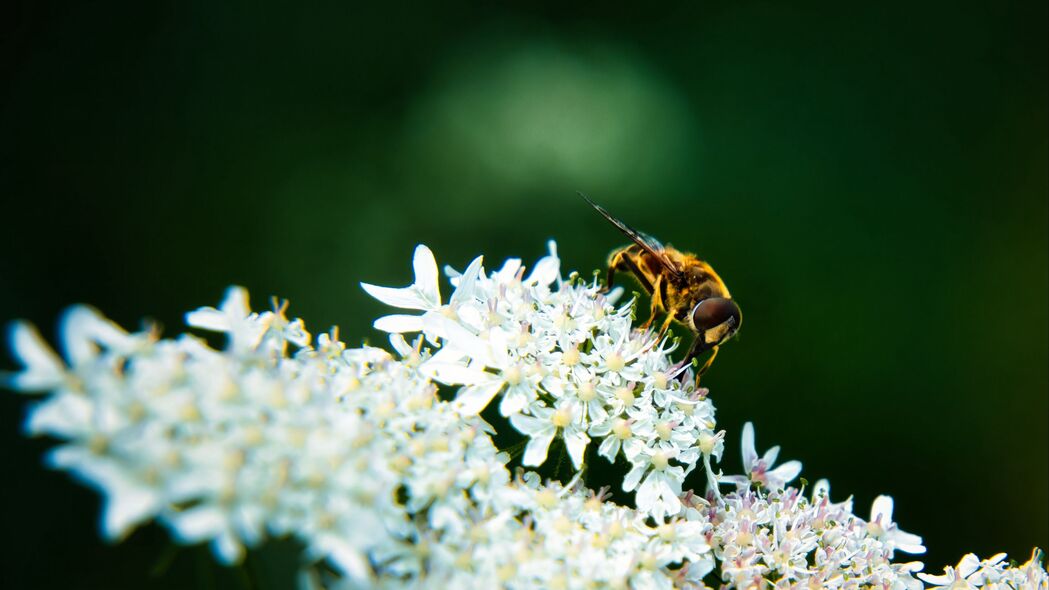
[870, 179]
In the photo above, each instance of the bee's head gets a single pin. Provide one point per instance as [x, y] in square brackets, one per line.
[715, 320]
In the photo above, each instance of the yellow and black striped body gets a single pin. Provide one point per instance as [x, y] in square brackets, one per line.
[675, 295]
[682, 286]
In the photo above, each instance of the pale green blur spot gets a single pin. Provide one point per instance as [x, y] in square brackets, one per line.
[517, 117]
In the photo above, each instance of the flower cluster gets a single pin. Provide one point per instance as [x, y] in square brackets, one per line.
[389, 482]
[229, 446]
[992, 573]
[564, 362]
[789, 539]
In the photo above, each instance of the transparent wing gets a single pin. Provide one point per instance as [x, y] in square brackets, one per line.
[647, 242]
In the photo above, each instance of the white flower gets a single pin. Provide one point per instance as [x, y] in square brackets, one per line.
[882, 527]
[385, 484]
[660, 491]
[517, 380]
[544, 424]
[233, 317]
[424, 294]
[758, 471]
[955, 577]
[43, 368]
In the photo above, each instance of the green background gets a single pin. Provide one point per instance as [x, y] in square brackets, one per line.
[869, 179]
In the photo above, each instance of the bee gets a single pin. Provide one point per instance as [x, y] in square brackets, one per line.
[682, 286]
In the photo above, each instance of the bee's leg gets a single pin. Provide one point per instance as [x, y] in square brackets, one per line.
[666, 326]
[657, 304]
[616, 263]
[610, 279]
[692, 353]
[620, 261]
[706, 365]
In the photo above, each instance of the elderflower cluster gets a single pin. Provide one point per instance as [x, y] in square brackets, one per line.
[390, 482]
[229, 446]
[992, 574]
[564, 363]
[784, 538]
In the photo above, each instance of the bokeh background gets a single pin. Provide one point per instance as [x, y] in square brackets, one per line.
[870, 179]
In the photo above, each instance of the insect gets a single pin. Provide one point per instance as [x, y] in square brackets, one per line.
[682, 286]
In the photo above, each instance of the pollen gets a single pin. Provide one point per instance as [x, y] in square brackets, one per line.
[571, 357]
[512, 375]
[546, 498]
[625, 395]
[622, 429]
[706, 443]
[587, 392]
[659, 381]
[615, 362]
[562, 418]
[660, 460]
[400, 463]
[667, 532]
[664, 430]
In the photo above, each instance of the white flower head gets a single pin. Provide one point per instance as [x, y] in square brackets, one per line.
[352, 451]
[882, 527]
[424, 294]
[758, 470]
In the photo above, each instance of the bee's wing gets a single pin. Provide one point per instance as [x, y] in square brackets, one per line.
[647, 242]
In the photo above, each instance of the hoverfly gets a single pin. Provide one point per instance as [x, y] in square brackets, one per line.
[682, 286]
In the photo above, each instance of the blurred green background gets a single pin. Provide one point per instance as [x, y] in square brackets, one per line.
[869, 179]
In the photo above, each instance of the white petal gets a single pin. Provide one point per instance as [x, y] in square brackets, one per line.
[535, 452]
[127, 501]
[399, 323]
[83, 327]
[458, 336]
[530, 425]
[508, 270]
[399, 344]
[911, 543]
[348, 560]
[770, 456]
[741, 481]
[236, 302]
[452, 274]
[992, 560]
[77, 338]
[227, 548]
[633, 477]
[576, 443]
[43, 368]
[198, 524]
[467, 282]
[127, 507]
[514, 400]
[62, 415]
[406, 298]
[938, 580]
[546, 271]
[449, 355]
[881, 510]
[208, 318]
[609, 448]
[455, 374]
[785, 473]
[426, 276]
[750, 455]
[471, 400]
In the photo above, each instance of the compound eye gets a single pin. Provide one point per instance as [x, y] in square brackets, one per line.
[717, 319]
